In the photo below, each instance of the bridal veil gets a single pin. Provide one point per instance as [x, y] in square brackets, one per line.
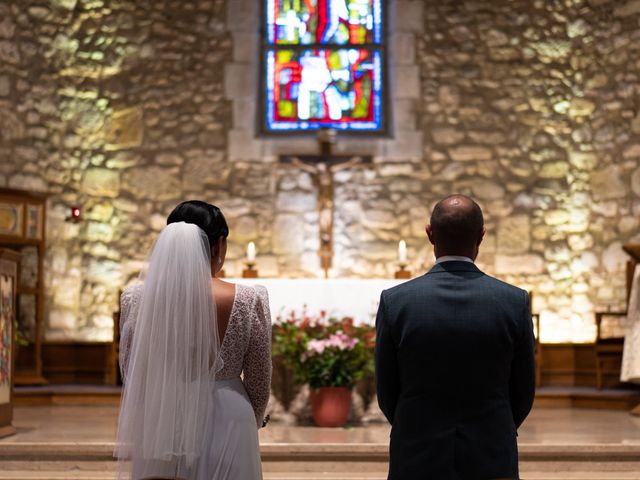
[167, 395]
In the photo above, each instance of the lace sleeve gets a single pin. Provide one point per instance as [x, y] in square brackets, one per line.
[257, 360]
[128, 310]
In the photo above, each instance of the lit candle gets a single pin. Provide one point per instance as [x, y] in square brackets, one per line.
[402, 252]
[251, 252]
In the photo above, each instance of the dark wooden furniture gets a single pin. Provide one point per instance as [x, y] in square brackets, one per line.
[22, 218]
[609, 348]
[8, 287]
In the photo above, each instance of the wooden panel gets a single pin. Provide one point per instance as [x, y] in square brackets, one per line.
[568, 365]
[8, 288]
[78, 362]
[22, 218]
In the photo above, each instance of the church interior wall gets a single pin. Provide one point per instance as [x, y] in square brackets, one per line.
[126, 108]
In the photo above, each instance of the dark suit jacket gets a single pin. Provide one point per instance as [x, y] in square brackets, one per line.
[455, 374]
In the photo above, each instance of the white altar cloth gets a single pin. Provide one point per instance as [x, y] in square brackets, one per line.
[338, 297]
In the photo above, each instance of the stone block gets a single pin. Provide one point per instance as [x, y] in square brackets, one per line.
[246, 47]
[153, 183]
[101, 182]
[519, 264]
[243, 16]
[204, 170]
[99, 232]
[169, 159]
[9, 52]
[62, 320]
[487, 189]
[627, 8]
[288, 235]
[409, 16]
[406, 82]
[514, 234]
[608, 183]
[105, 272]
[294, 201]
[635, 182]
[125, 129]
[403, 49]
[7, 28]
[406, 145]
[240, 81]
[244, 113]
[5, 86]
[613, 258]
[632, 151]
[470, 153]
[243, 146]
[583, 160]
[28, 182]
[404, 115]
[447, 135]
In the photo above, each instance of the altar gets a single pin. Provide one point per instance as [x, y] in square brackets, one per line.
[356, 298]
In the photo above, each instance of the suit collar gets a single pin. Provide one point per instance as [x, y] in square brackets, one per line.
[454, 266]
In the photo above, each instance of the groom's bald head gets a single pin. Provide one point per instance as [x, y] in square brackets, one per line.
[456, 226]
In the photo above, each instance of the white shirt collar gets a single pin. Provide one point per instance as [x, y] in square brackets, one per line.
[453, 258]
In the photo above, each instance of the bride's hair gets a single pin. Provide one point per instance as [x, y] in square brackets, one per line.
[206, 216]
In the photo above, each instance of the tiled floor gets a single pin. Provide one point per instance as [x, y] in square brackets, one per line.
[544, 426]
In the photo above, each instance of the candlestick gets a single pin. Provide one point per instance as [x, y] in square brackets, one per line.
[402, 272]
[402, 252]
[251, 252]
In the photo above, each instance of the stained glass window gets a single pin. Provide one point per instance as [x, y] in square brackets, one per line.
[323, 65]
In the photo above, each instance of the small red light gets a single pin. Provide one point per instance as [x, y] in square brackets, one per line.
[76, 213]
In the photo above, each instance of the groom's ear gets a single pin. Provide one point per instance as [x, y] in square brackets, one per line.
[481, 237]
[429, 231]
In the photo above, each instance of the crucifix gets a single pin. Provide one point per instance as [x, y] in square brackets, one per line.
[322, 168]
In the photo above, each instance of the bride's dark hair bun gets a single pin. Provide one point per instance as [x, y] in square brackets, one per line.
[208, 217]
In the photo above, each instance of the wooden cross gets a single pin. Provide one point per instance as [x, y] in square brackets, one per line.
[322, 167]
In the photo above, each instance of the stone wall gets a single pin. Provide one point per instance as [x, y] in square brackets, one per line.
[126, 108]
[533, 108]
[117, 107]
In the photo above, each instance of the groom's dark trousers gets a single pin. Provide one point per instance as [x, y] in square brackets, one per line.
[455, 374]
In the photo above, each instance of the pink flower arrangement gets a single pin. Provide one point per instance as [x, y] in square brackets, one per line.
[338, 340]
[324, 351]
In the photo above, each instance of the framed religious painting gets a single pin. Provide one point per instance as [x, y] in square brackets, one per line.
[323, 66]
[11, 218]
[34, 227]
[8, 292]
[22, 219]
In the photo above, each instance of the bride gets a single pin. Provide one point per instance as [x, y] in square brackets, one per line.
[186, 338]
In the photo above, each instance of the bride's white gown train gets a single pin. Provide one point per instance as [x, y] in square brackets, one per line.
[231, 448]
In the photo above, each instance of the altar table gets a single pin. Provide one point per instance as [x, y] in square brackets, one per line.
[356, 298]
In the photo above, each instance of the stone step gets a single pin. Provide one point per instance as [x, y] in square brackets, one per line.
[307, 461]
[97, 475]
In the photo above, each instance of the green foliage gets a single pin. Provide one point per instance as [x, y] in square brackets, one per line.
[324, 352]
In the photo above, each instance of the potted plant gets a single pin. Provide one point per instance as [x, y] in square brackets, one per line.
[328, 354]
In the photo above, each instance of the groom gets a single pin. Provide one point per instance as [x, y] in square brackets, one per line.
[454, 360]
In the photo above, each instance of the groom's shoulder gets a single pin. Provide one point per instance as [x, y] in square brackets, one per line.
[502, 287]
[405, 287]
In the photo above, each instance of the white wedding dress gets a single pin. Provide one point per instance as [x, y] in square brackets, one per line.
[237, 405]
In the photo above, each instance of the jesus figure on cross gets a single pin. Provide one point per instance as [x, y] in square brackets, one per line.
[322, 169]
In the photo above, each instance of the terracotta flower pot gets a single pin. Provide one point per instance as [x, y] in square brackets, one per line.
[330, 406]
